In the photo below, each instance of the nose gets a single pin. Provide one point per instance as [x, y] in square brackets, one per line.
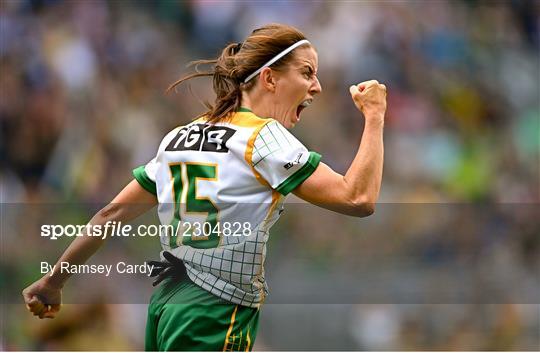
[315, 87]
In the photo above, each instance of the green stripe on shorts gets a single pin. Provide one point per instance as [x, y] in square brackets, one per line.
[184, 317]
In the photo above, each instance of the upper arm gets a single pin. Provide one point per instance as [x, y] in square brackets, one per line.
[280, 159]
[130, 203]
[287, 166]
[134, 193]
[140, 195]
[327, 188]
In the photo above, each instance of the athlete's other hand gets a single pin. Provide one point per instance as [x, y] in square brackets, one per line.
[43, 299]
[370, 98]
[170, 267]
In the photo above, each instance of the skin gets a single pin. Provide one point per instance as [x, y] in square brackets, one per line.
[130, 203]
[279, 93]
[276, 94]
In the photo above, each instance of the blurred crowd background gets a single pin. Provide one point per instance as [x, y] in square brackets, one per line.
[82, 102]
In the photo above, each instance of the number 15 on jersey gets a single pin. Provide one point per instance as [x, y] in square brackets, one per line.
[188, 204]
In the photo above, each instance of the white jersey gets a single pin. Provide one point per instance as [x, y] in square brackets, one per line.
[221, 187]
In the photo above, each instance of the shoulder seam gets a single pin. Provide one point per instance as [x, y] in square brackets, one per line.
[248, 155]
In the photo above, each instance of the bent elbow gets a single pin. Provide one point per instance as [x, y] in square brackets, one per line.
[363, 207]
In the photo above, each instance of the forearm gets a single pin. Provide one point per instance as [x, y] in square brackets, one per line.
[364, 176]
[131, 202]
[82, 248]
[357, 191]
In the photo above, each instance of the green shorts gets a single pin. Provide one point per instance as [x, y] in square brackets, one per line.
[184, 317]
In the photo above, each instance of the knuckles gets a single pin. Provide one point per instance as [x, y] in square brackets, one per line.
[369, 91]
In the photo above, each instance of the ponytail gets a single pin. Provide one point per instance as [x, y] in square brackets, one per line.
[236, 62]
[226, 85]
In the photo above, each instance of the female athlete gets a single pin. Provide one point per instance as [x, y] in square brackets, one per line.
[228, 172]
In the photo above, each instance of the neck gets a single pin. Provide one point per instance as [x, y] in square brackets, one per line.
[258, 104]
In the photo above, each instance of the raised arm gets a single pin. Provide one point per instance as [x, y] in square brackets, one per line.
[43, 297]
[356, 192]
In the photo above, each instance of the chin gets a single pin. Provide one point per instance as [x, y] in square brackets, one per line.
[290, 125]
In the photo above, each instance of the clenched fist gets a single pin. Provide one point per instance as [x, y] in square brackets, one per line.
[370, 98]
[43, 299]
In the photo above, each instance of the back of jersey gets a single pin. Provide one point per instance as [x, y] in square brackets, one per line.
[220, 188]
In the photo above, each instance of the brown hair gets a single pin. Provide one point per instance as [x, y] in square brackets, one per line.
[237, 61]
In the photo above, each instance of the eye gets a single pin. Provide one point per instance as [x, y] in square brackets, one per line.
[308, 73]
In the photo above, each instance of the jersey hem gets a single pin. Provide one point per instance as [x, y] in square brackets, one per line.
[142, 178]
[300, 175]
[250, 300]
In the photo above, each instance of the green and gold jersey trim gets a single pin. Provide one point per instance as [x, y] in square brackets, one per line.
[300, 175]
[140, 175]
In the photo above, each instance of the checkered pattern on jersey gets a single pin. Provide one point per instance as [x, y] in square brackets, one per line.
[271, 139]
[234, 271]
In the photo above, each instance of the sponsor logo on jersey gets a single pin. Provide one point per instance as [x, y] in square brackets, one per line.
[201, 137]
[293, 163]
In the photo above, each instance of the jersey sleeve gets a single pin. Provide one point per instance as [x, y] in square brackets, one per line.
[146, 176]
[282, 160]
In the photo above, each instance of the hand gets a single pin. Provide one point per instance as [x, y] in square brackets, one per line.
[43, 299]
[370, 98]
[170, 267]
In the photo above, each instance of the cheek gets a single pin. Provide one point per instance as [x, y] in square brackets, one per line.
[286, 95]
[297, 91]
[291, 91]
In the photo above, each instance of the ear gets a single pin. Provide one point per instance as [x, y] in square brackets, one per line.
[267, 79]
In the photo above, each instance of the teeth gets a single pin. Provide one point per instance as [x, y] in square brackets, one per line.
[306, 102]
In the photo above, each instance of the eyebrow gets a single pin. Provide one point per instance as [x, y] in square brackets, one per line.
[309, 66]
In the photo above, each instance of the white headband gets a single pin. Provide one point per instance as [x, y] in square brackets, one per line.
[277, 57]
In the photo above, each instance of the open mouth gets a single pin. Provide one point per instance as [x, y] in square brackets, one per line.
[301, 107]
